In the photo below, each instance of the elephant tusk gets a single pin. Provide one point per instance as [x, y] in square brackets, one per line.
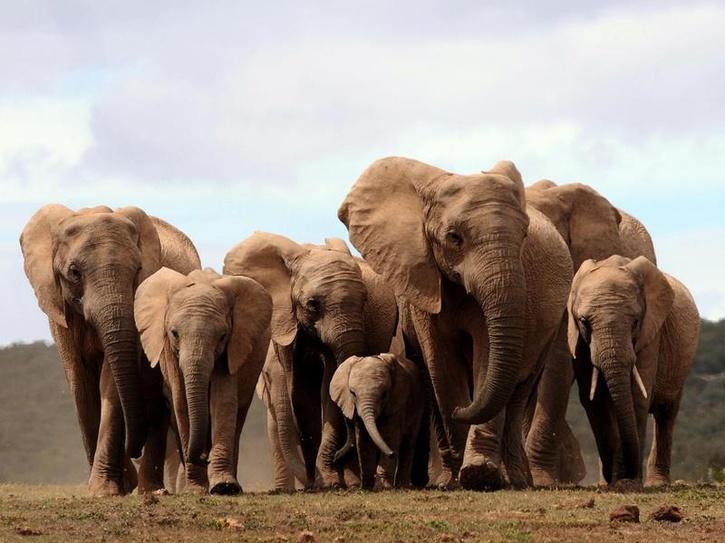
[595, 378]
[640, 384]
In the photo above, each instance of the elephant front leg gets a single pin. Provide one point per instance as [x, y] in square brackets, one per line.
[333, 432]
[481, 468]
[224, 414]
[151, 470]
[108, 462]
[658, 465]
[512, 446]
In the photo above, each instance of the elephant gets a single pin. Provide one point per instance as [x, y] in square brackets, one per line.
[328, 306]
[638, 328]
[483, 281]
[84, 267]
[209, 335]
[385, 397]
[592, 228]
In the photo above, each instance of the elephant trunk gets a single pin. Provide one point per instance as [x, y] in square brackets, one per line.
[497, 282]
[288, 439]
[367, 414]
[618, 380]
[197, 401]
[348, 342]
[111, 313]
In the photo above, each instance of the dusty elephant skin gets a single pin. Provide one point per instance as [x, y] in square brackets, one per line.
[328, 306]
[384, 396]
[592, 228]
[485, 279]
[84, 267]
[209, 334]
[633, 331]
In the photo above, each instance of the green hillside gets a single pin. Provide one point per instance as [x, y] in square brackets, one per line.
[40, 441]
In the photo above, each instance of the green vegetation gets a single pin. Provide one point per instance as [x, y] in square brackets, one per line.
[40, 442]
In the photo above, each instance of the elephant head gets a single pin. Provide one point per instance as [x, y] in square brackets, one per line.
[370, 387]
[616, 309]
[84, 267]
[190, 323]
[419, 226]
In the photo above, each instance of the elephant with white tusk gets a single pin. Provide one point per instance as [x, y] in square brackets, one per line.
[633, 331]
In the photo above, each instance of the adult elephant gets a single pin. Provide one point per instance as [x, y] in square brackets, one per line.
[328, 306]
[593, 229]
[486, 280]
[84, 267]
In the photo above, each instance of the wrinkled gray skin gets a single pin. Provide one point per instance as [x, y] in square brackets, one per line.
[384, 396]
[84, 267]
[209, 335]
[485, 280]
[328, 306]
[592, 228]
[634, 332]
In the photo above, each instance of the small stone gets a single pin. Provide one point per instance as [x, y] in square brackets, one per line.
[149, 498]
[233, 523]
[588, 504]
[667, 513]
[625, 513]
[306, 537]
[27, 531]
[339, 539]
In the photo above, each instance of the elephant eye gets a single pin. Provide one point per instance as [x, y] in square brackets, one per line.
[175, 333]
[313, 305]
[74, 273]
[585, 328]
[454, 239]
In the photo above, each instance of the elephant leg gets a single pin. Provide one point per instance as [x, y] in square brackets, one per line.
[286, 435]
[658, 465]
[224, 418]
[512, 446]
[334, 432]
[406, 459]
[482, 468]
[84, 378]
[367, 454]
[283, 479]
[172, 463]
[151, 471]
[107, 470]
[549, 435]
[392, 432]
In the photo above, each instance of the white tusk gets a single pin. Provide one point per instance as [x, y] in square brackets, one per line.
[640, 384]
[595, 378]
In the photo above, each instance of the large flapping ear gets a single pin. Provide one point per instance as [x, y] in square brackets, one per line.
[149, 309]
[340, 389]
[380, 313]
[593, 223]
[148, 240]
[383, 213]
[658, 297]
[508, 169]
[36, 243]
[251, 314]
[337, 244]
[267, 259]
[572, 329]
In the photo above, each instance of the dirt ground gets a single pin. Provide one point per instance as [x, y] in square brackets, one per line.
[65, 513]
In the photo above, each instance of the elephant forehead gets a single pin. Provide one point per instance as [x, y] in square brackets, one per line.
[369, 367]
[610, 287]
[324, 265]
[477, 188]
[198, 297]
[96, 225]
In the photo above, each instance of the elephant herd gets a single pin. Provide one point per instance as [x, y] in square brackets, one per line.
[444, 355]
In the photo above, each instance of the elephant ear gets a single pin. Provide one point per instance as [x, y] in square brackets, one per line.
[384, 215]
[380, 312]
[251, 314]
[658, 299]
[542, 184]
[148, 240]
[593, 223]
[149, 310]
[268, 258]
[572, 329]
[509, 169]
[340, 389]
[400, 385]
[337, 244]
[37, 246]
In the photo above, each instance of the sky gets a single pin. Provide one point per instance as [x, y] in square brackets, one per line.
[229, 117]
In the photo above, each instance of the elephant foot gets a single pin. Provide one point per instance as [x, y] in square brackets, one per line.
[481, 475]
[225, 485]
[446, 481]
[626, 485]
[658, 481]
[542, 478]
[100, 487]
[195, 488]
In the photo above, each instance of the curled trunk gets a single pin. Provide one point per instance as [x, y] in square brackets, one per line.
[497, 282]
[367, 414]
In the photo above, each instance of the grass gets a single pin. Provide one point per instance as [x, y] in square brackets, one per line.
[65, 513]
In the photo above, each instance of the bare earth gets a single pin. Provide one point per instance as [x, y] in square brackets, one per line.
[64, 513]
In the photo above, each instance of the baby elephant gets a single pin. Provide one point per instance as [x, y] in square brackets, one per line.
[383, 398]
[210, 335]
[638, 328]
